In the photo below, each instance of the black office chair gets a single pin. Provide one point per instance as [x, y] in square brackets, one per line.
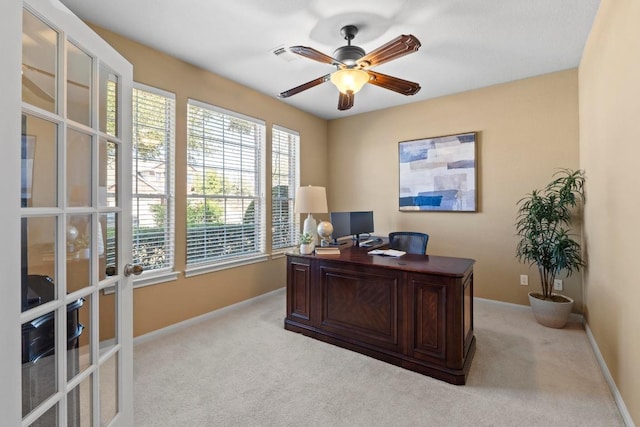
[410, 242]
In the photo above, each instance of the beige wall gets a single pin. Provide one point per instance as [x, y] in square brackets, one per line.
[526, 130]
[161, 305]
[609, 152]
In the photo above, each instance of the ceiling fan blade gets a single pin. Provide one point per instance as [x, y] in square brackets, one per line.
[345, 101]
[400, 46]
[311, 53]
[304, 86]
[395, 84]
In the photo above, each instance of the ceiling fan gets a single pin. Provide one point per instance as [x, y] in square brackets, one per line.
[354, 67]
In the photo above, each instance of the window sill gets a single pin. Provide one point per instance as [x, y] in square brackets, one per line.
[147, 280]
[154, 278]
[282, 252]
[211, 267]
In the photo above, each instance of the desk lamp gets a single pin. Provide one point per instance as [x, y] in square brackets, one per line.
[310, 200]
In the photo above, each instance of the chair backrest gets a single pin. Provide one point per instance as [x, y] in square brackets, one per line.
[409, 241]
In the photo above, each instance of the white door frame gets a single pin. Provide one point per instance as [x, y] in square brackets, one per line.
[10, 128]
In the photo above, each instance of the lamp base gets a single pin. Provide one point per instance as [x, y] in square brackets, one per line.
[310, 226]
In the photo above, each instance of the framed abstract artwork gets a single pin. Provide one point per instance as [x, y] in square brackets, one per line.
[438, 174]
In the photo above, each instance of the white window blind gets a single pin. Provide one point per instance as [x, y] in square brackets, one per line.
[285, 178]
[225, 185]
[153, 178]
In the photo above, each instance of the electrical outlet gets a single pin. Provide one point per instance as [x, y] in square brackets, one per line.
[524, 280]
[557, 285]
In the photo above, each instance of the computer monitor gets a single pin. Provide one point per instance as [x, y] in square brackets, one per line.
[361, 223]
[341, 222]
[351, 224]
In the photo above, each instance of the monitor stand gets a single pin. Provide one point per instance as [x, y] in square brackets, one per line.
[335, 242]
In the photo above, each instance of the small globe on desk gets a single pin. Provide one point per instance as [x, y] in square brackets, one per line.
[325, 229]
[72, 233]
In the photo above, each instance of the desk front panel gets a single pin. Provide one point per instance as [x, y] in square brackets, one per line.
[298, 289]
[428, 316]
[360, 305]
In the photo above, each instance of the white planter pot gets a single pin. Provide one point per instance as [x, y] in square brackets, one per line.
[307, 248]
[549, 313]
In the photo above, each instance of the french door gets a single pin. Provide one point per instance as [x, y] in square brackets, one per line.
[74, 309]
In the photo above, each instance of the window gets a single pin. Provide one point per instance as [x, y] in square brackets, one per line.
[285, 178]
[225, 187]
[153, 178]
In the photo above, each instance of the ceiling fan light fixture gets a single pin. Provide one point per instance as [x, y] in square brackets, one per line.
[349, 80]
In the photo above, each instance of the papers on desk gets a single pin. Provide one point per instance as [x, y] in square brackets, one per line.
[387, 252]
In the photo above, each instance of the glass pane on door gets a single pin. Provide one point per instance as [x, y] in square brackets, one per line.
[108, 174]
[39, 63]
[38, 261]
[109, 113]
[79, 337]
[39, 144]
[78, 168]
[79, 404]
[39, 361]
[108, 245]
[49, 419]
[109, 389]
[79, 66]
[108, 323]
[78, 252]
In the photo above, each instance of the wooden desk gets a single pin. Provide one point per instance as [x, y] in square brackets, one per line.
[415, 311]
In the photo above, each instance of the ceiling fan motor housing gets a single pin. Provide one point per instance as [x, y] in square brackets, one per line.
[348, 54]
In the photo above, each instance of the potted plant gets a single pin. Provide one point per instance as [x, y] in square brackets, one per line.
[542, 225]
[306, 244]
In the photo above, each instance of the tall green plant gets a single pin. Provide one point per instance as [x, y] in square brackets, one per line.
[542, 224]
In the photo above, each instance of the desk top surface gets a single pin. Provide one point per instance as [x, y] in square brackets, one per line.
[429, 264]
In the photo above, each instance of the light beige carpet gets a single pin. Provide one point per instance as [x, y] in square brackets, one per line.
[242, 368]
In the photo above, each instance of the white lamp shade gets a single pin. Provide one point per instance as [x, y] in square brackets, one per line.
[311, 199]
[348, 80]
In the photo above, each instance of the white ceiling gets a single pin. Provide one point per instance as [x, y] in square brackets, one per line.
[466, 44]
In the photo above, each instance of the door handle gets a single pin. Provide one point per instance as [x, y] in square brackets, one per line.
[135, 269]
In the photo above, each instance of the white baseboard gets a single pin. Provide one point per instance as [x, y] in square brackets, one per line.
[626, 417]
[504, 303]
[573, 316]
[195, 320]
